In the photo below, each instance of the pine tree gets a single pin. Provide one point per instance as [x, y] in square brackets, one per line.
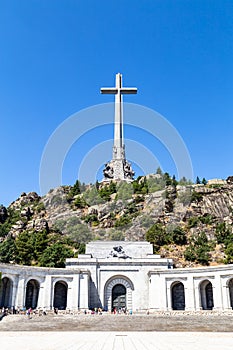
[198, 181]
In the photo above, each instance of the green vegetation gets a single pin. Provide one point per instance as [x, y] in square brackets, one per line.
[159, 236]
[184, 182]
[196, 197]
[185, 196]
[122, 203]
[116, 235]
[75, 190]
[224, 235]
[140, 185]
[179, 236]
[91, 219]
[124, 191]
[80, 202]
[8, 250]
[91, 196]
[123, 221]
[12, 216]
[74, 229]
[206, 219]
[199, 249]
[55, 255]
[106, 191]
[31, 248]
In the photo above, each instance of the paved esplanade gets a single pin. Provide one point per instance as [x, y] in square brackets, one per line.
[115, 341]
[118, 168]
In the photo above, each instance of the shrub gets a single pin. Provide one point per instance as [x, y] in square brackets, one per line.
[223, 233]
[198, 249]
[193, 221]
[124, 220]
[179, 236]
[157, 236]
[80, 202]
[196, 197]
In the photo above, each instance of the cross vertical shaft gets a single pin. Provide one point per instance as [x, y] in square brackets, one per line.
[118, 91]
[118, 148]
[118, 168]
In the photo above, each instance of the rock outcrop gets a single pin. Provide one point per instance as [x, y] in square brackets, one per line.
[194, 208]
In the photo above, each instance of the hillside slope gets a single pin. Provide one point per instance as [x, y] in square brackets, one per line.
[190, 223]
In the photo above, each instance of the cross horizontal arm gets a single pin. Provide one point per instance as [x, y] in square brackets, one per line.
[128, 90]
[114, 91]
[108, 91]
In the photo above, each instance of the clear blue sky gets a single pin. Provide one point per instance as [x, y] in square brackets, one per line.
[56, 54]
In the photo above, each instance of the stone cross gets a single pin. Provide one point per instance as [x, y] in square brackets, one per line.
[118, 91]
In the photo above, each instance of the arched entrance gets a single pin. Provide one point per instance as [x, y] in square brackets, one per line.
[118, 293]
[118, 297]
[6, 292]
[32, 293]
[207, 300]
[60, 295]
[230, 286]
[178, 296]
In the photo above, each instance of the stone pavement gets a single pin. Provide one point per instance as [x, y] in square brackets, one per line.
[115, 341]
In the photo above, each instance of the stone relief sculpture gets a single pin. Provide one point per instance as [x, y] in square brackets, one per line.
[118, 252]
[108, 171]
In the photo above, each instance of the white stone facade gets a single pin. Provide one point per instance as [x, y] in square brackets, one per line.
[117, 275]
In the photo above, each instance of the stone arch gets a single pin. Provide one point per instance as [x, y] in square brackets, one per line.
[178, 296]
[32, 293]
[206, 295]
[6, 291]
[60, 295]
[230, 288]
[110, 284]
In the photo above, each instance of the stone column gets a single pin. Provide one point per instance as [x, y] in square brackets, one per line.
[40, 302]
[168, 295]
[217, 293]
[225, 294]
[197, 296]
[84, 290]
[14, 291]
[20, 297]
[189, 294]
[47, 295]
[73, 293]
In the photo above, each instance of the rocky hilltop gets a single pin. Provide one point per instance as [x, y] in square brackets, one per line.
[190, 223]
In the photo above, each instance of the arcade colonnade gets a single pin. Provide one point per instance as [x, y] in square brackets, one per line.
[209, 288]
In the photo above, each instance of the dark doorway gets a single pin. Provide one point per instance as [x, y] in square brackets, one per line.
[230, 285]
[118, 297]
[178, 296]
[6, 292]
[32, 293]
[60, 295]
[207, 300]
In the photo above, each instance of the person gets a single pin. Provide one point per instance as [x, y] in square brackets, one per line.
[28, 313]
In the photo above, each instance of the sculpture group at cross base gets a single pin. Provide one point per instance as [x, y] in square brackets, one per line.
[109, 170]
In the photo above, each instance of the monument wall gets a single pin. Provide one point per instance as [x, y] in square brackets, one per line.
[125, 275]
